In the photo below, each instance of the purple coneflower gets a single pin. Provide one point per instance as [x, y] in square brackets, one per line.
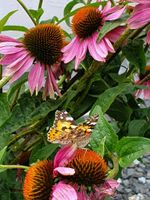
[39, 53]
[85, 24]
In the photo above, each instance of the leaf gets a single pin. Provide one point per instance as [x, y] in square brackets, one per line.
[103, 130]
[134, 52]
[4, 20]
[137, 127]
[36, 14]
[15, 28]
[2, 152]
[131, 148]
[109, 26]
[68, 9]
[28, 110]
[106, 98]
[4, 108]
[16, 85]
[43, 153]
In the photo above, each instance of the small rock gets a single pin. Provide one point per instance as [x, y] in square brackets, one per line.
[142, 179]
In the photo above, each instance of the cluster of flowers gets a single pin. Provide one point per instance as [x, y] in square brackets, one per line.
[43, 49]
[75, 174]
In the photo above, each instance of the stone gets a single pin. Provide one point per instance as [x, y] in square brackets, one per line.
[142, 179]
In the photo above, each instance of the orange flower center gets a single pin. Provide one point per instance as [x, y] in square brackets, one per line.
[89, 167]
[44, 42]
[38, 181]
[86, 21]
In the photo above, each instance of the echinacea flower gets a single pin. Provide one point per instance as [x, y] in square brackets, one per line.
[39, 53]
[140, 15]
[38, 181]
[85, 24]
[143, 93]
[89, 170]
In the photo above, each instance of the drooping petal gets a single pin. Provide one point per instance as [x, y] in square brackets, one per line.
[48, 90]
[10, 50]
[53, 81]
[23, 69]
[109, 45]
[64, 155]
[36, 77]
[66, 171]
[115, 15]
[63, 191]
[114, 35]
[140, 1]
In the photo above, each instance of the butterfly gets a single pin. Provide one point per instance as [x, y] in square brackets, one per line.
[66, 131]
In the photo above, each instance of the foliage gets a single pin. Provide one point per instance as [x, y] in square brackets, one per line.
[123, 128]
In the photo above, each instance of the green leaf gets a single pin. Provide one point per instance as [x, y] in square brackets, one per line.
[16, 85]
[134, 52]
[36, 14]
[15, 28]
[68, 9]
[4, 20]
[43, 153]
[2, 152]
[109, 26]
[131, 148]
[28, 110]
[137, 127]
[106, 98]
[103, 130]
[4, 109]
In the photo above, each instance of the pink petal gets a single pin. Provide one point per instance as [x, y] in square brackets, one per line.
[5, 44]
[10, 50]
[66, 171]
[53, 81]
[107, 7]
[140, 1]
[115, 15]
[7, 59]
[109, 45]
[64, 155]
[63, 191]
[36, 77]
[4, 38]
[48, 90]
[93, 51]
[23, 69]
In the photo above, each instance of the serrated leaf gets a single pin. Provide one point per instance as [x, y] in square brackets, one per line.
[15, 28]
[131, 148]
[43, 153]
[107, 98]
[103, 130]
[134, 52]
[28, 110]
[4, 109]
[4, 20]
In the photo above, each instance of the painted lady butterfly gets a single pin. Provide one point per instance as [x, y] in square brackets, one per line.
[66, 131]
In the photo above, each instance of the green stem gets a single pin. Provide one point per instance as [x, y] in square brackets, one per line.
[14, 167]
[113, 173]
[40, 4]
[27, 11]
[4, 80]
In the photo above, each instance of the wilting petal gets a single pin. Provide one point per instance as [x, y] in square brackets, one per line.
[63, 191]
[66, 171]
[36, 77]
[109, 45]
[48, 90]
[114, 35]
[53, 81]
[64, 155]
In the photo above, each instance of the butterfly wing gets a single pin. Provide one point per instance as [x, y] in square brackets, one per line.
[61, 131]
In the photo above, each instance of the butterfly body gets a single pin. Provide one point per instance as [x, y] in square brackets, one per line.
[66, 131]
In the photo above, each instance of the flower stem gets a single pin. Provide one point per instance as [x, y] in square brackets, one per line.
[14, 167]
[27, 11]
[113, 173]
[40, 4]
[4, 80]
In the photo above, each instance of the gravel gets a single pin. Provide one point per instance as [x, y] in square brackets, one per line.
[135, 181]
